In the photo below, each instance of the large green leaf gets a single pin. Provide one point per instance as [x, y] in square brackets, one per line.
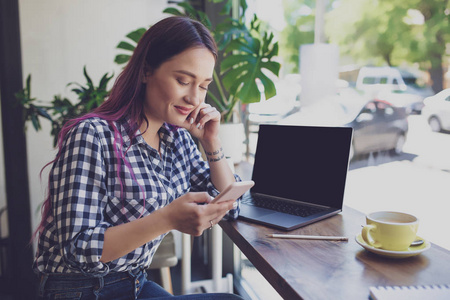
[248, 45]
[126, 46]
[136, 35]
[122, 58]
[235, 60]
[272, 66]
[226, 10]
[272, 52]
[228, 31]
[243, 67]
[249, 92]
[233, 78]
[173, 11]
[269, 86]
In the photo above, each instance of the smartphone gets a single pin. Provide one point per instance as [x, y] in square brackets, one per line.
[233, 191]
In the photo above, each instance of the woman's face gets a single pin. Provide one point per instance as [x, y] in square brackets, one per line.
[178, 86]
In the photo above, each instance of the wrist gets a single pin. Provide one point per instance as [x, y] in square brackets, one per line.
[211, 144]
[165, 219]
[215, 155]
[213, 151]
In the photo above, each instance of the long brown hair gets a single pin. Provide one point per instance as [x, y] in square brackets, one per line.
[162, 41]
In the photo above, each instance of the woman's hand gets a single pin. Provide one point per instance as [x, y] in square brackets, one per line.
[188, 215]
[203, 123]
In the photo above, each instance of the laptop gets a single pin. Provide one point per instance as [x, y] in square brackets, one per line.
[299, 174]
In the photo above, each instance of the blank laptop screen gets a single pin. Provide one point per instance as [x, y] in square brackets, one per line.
[302, 163]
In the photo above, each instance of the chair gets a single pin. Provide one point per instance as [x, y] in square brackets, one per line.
[164, 258]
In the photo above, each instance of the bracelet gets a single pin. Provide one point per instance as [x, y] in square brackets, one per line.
[215, 155]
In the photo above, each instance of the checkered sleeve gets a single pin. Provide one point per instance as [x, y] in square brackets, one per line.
[200, 175]
[78, 198]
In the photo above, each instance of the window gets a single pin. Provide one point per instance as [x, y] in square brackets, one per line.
[369, 80]
[411, 181]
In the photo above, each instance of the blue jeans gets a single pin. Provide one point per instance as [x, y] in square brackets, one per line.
[129, 285]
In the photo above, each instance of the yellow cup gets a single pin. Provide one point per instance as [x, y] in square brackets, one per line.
[390, 230]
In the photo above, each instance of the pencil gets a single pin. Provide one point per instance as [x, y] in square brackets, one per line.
[308, 237]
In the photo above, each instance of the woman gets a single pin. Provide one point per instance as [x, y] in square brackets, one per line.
[129, 172]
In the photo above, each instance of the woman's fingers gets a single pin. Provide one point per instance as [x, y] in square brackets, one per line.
[201, 115]
[220, 211]
[194, 115]
[192, 213]
[206, 115]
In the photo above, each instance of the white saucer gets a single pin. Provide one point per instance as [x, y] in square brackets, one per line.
[411, 251]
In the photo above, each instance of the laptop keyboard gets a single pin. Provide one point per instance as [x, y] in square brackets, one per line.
[296, 209]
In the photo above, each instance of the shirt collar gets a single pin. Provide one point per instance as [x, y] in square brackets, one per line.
[166, 133]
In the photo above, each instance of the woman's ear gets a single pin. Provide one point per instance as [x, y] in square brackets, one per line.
[145, 76]
[147, 73]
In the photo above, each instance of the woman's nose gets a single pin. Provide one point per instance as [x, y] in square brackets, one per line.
[192, 99]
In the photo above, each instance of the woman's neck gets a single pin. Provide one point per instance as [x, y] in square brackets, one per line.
[151, 133]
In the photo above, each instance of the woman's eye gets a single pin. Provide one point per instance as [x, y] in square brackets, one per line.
[204, 88]
[182, 82]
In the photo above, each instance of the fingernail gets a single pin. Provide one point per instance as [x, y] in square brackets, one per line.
[198, 126]
[191, 120]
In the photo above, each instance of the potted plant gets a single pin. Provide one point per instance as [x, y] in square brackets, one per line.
[246, 53]
[62, 109]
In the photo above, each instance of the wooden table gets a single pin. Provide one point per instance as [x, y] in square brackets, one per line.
[306, 269]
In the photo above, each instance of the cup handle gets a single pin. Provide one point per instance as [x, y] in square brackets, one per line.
[368, 238]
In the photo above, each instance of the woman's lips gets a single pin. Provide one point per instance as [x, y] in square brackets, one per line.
[183, 110]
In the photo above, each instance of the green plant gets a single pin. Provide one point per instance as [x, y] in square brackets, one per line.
[247, 53]
[62, 109]
[134, 36]
[31, 111]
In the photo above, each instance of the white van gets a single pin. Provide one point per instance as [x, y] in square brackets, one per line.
[380, 78]
[388, 83]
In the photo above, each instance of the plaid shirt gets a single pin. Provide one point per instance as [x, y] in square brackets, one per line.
[85, 194]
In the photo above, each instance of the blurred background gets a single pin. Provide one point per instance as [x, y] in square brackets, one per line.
[381, 67]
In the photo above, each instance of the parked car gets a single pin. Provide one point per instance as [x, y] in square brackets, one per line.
[412, 103]
[436, 111]
[377, 125]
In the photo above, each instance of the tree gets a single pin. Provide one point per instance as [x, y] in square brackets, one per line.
[393, 32]
[299, 30]
[436, 34]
